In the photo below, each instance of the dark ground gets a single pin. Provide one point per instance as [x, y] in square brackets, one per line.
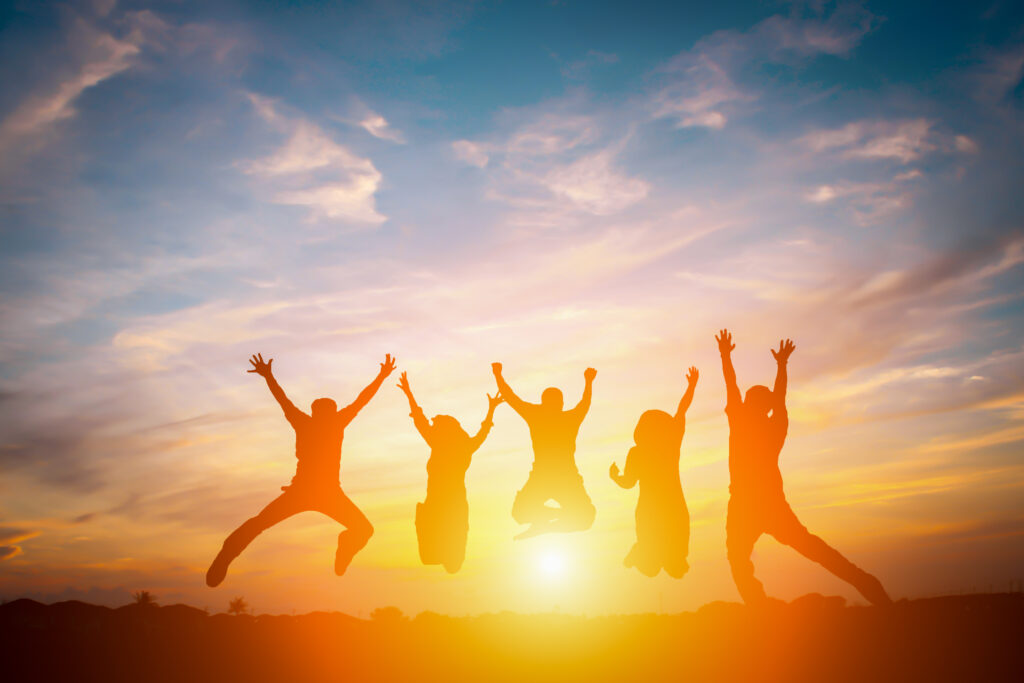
[956, 638]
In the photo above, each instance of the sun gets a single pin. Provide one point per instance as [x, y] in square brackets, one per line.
[552, 564]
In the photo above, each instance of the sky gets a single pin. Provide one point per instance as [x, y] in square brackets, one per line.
[553, 185]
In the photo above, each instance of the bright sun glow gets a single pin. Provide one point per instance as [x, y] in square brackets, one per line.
[552, 564]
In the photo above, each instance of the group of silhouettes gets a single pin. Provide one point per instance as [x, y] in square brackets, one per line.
[758, 423]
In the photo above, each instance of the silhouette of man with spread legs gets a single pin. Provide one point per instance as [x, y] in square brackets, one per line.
[442, 519]
[315, 486]
[554, 475]
[662, 518]
[757, 505]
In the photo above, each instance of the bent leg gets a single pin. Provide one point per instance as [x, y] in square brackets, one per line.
[742, 531]
[788, 529]
[282, 507]
[577, 511]
[528, 506]
[358, 529]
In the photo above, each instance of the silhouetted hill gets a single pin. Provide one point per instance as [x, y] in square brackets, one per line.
[814, 638]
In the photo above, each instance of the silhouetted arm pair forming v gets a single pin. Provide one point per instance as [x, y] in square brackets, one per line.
[580, 411]
[732, 390]
[687, 399]
[264, 370]
[485, 426]
[510, 397]
[386, 368]
[418, 418]
[779, 393]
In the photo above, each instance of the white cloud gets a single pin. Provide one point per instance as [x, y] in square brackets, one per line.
[377, 126]
[319, 174]
[699, 96]
[99, 56]
[904, 141]
[593, 185]
[473, 153]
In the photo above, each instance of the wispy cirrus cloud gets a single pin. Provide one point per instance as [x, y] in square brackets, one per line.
[317, 173]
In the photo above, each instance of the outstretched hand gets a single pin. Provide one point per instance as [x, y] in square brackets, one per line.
[724, 340]
[692, 375]
[496, 369]
[259, 367]
[403, 384]
[613, 472]
[388, 366]
[785, 349]
[494, 401]
[589, 374]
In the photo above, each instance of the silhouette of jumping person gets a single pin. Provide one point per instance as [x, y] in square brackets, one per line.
[442, 519]
[315, 486]
[554, 475]
[662, 520]
[757, 505]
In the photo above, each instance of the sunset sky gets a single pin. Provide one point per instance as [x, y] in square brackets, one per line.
[553, 185]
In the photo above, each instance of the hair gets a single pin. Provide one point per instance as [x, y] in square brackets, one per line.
[653, 429]
[324, 405]
[447, 428]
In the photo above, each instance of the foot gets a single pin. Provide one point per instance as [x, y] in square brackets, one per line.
[342, 557]
[217, 571]
[871, 588]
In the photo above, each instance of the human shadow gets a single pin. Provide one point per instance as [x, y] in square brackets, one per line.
[315, 486]
[442, 519]
[662, 519]
[758, 424]
[554, 475]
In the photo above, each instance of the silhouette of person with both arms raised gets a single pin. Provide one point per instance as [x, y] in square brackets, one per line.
[554, 475]
[442, 519]
[757, 505]
[315, 486]
[662, 520]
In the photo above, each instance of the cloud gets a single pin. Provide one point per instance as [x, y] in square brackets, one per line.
[96, 57]
[702, 88]
[592, 184]
[869, 202]
[473, 153]
[904, 141]
[9, 551]
[325, 177]
[377, 126]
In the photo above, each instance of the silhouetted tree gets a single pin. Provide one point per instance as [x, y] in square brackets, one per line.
[238, 606]
[144, 599]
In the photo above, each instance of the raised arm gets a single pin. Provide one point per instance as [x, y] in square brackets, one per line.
[580, 411]
[386, 368]
[415, 412]
[732, 390]
[485, 426]
[629, 477]
[505, 391]
[779, 392]
[264, 370]
[684, 403]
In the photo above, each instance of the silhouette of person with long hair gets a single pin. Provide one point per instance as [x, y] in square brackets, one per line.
[662, 520]
[554, 475]
[757, 505]
[315, 486]
[442, 519]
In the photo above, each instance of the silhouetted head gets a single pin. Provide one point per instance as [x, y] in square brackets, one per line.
[551, 399]
[446, 429]
[324, 407]
[654, 429]
[758, 400]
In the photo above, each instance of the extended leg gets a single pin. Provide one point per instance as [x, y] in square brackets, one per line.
[742, 532]
[280, 508]
[790, 531]
[358, 529]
